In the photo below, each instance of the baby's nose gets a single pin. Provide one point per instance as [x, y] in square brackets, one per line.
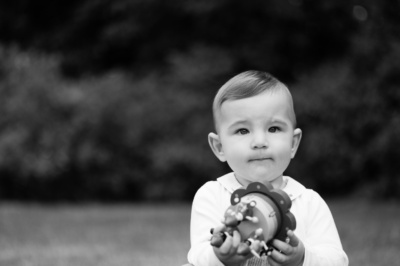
[259, 141]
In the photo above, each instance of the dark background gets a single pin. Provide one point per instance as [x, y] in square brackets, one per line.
[111, 100]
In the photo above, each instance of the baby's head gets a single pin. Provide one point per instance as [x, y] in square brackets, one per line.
[248, 84]
[256, 127]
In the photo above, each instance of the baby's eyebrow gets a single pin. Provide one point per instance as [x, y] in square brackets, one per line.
[238, 123]
[278, 121]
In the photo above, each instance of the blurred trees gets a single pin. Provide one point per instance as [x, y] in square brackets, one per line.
[143, 34]
[111, 100]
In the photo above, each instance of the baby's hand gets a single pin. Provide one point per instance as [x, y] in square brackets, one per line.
[227, 253]
[288, 253]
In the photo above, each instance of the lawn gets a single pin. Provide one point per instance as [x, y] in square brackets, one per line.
[120, 235]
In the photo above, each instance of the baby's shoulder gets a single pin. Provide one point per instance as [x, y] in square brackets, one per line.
[225, 184]
[311, 194]
[311, 203]
[209, 189]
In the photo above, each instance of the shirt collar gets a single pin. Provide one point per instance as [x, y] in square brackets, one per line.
[229, 182]
[293, 188]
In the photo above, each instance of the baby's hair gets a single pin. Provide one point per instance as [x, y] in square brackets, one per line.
[247, 84]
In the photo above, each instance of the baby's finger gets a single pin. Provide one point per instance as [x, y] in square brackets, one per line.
[225, 248]
[281, 246]
[294, 240]
[219, 228]
[235, 239]
[276, 258]
[272, 262]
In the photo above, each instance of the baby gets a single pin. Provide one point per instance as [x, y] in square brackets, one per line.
[256, 135]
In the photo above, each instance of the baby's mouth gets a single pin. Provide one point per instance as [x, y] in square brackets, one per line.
[261, 159]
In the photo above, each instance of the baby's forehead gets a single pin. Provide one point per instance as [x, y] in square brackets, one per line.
[287, 104]
[277, 100]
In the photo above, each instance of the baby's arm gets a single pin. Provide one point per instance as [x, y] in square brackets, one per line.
[322, 243]
[206, 214]
[209, 206]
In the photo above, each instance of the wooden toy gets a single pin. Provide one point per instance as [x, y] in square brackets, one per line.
[258, 212]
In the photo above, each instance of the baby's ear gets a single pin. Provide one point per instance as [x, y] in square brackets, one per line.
[216, 146]
[297, 133]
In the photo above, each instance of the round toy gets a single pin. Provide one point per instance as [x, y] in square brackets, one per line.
[258, 212]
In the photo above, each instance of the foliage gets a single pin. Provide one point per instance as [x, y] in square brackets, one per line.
[350, 114]
[111, 137]
[111, 100]
[143, 34]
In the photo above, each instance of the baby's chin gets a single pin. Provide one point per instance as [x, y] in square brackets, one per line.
[264, 178]
[256, 178]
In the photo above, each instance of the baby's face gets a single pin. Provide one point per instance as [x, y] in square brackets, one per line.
[257, 136]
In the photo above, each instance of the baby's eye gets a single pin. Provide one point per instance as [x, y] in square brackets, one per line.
[242, 131]
[274, 129]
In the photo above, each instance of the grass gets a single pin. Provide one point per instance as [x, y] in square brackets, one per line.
[116, 235]
[112, 235]
[370, 231]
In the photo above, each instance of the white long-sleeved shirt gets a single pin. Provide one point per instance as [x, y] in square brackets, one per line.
[314, 223]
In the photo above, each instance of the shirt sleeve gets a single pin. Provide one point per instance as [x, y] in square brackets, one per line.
[322, 243]
[205, 215]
